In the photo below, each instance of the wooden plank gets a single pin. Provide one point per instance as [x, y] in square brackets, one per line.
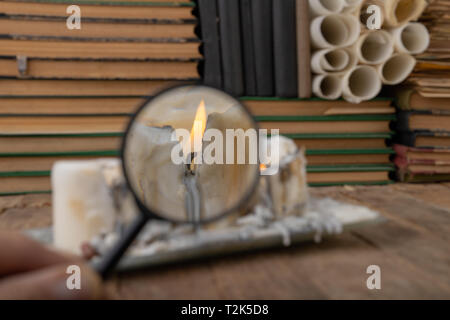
[411, 249]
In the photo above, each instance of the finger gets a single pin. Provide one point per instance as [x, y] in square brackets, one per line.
[20, 254]
[52, 284]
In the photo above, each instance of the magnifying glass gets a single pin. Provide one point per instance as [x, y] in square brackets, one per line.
[188, 157]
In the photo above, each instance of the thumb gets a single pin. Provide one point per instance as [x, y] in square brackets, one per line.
[56, 282]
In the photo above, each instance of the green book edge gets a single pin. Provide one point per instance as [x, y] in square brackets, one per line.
[378, 117]
[114, 153]
[313, 185]
[363, 183]
[350, 168]
[299, 136]
[312, 169]
[316, 152]
[250, 98]
[100, 153]
[370, 135]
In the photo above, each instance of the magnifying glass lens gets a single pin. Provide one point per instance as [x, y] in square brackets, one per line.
[190, 155]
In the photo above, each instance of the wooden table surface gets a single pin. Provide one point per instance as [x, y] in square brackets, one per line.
[412, 249]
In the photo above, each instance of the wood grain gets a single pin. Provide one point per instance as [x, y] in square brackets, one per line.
[411, 249]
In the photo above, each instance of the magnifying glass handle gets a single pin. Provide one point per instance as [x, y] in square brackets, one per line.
[110, 260]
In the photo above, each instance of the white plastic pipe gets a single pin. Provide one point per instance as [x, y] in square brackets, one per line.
[361, 83]
[327, 86]
[325, 7]
[335, 30]
[351, 6]
[412, 38]
[333, 60]
[399, 12]
[396, 69]
[374, 47]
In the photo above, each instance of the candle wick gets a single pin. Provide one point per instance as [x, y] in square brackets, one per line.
[190, 166]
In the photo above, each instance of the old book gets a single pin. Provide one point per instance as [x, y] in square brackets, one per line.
[413, 100]
[62, 124]
[423, 120]
[422, 156]
[97, 28]
[24, 182]
[43, 161]
[35, 47]
[303, 49]
[263, 44]
[348, 156]
[82, 88]
[248, 47]
[343, 141]
[230, 41]
[95, 9]
[212, 69]
[315, 106]
[100, 69]
[117, 104]
[422, 178]
[285, 48]
[319, 175]
[59, 143]
[12, 183]
[69, 105]
[326, 124]
[426, 139]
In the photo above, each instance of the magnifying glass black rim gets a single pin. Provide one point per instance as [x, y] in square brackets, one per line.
[151, 213]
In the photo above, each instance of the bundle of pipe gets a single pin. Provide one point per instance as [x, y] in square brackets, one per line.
[352, 61]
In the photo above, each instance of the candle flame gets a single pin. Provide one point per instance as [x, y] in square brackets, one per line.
[262, 167]
[199, 126]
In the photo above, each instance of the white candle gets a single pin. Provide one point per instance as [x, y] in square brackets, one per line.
[83, 206]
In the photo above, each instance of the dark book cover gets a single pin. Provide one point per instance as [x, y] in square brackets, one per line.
[402, 123]
[230, 41]
[408, 138]
[303, 49]
[248, 47]
[285, 48]
[212, 70]
[263, 46]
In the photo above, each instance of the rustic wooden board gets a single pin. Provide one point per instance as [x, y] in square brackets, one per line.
[411, 249]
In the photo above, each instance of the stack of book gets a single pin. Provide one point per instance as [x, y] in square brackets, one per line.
[423, 128]
[431, 76]
[67, 93]
[259, 50]
[345, 143]
[257, 47]
[422, 137]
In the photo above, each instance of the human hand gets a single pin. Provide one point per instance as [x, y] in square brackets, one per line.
[29, 270]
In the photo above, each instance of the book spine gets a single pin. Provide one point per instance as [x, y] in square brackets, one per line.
[212, 70]
[263, 46]
[285, 48]
[230, 40]
[403, 98]
[407, 138]
[248, 48]
[402, 124]
[303, 49]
